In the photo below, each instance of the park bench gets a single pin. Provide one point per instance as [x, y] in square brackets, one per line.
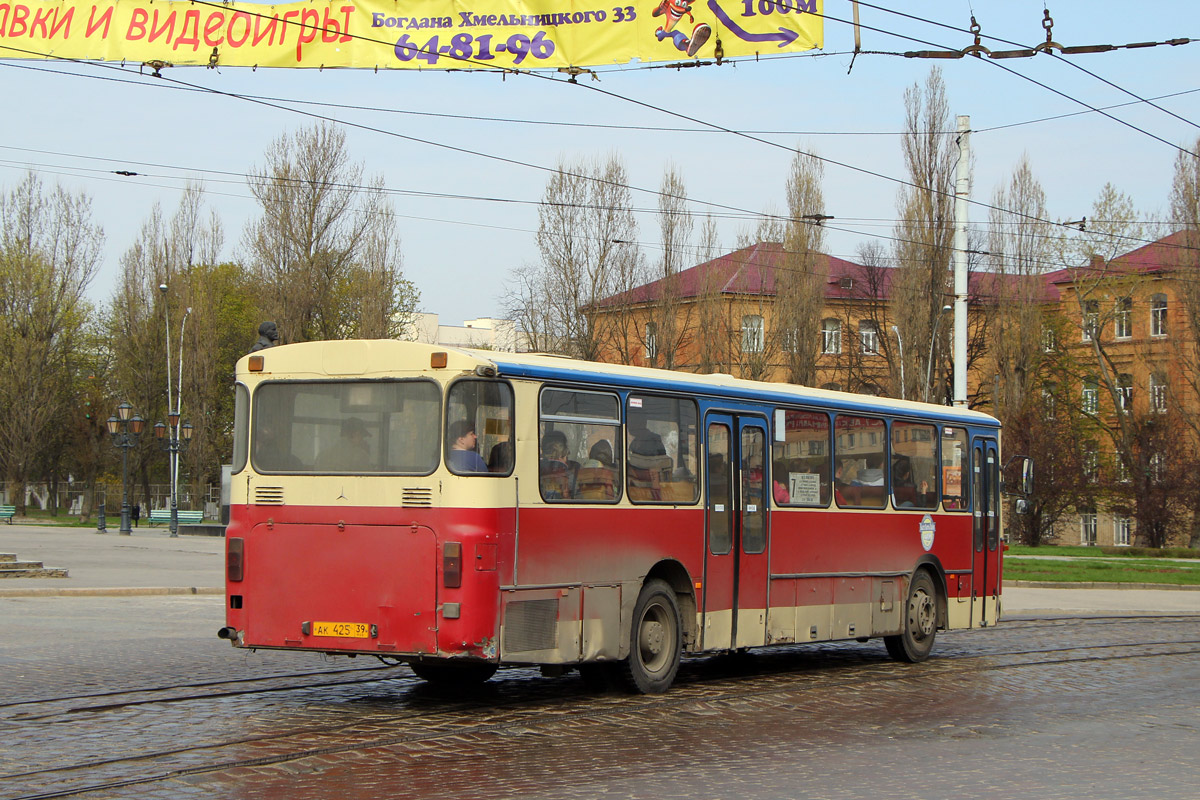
[7, 513]
[163, 515]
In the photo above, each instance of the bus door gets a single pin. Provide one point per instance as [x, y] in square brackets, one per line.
[985, 519]
[735, 580]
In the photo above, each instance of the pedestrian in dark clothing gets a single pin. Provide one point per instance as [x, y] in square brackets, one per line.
[136, 513]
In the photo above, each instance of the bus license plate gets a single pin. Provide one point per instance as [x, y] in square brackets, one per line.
[344, 630]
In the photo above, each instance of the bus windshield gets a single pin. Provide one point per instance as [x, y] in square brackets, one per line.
[376, 427]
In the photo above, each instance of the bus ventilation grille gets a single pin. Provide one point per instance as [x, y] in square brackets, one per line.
[531, 625]
[419, 498]
[268, 496]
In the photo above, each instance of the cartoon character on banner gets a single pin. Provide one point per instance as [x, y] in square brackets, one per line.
[674, 11]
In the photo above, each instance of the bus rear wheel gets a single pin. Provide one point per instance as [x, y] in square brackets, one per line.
[655, 640]
[920, 622]
[453, 673]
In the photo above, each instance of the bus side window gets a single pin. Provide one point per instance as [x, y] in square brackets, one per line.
[661, 448]
[800, 458]
[579, 454]
[914, 465]
[954, 468]
[860, 452]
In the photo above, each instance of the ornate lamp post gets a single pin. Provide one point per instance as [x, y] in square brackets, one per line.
[125, 429]
[174, 439]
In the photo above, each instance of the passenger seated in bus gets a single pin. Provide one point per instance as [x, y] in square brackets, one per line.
[601, 455]
[271, 452]
[642, 440]
[843, 492]
[501, 458]
[778, 489]
[350, 453]
[872, 474]
[556, 471]
[463, 440]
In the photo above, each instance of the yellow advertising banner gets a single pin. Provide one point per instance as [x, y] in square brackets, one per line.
[413, 34]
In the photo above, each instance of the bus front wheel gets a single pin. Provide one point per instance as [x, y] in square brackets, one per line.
[920, 622]
[656, 640]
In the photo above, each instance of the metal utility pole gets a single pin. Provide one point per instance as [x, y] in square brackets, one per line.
[962, 191]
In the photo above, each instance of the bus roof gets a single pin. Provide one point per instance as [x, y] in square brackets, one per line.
[379, 357]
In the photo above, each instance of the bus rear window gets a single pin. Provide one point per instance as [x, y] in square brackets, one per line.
[346, 427]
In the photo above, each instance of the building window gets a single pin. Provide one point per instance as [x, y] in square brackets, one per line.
[1048, 401]
[1049, 340]
[791, 341]
[1158, 315]
[1123, 319]
[1125, 392]
[1087, 528]
[1158, 393]
[1157, 467]
[1122, 526]
[651, 339]
[1122, 469]
[752, 334]
[1091, 319]
[831, 336]
[868, 334]
[1091, 462]
[1091, 396]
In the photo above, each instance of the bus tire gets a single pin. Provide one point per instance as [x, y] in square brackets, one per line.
[915, 642]
[453, 673]
[655, 640]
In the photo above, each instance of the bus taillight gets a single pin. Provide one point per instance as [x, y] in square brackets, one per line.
[452, 565]
[235, 559]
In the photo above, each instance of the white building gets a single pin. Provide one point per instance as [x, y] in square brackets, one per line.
[485, 333]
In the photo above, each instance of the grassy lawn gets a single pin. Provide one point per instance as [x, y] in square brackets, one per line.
[1102, 552]
[1102, 570]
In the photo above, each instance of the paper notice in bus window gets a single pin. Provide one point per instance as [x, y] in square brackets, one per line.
[635, 402]
[952, 481]
[780, 425]
[804, 488]
[751, 508]
[718, 507]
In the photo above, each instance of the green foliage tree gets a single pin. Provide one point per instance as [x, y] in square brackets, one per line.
[49, 253]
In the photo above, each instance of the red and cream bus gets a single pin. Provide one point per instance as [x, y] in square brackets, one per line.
[462, 510]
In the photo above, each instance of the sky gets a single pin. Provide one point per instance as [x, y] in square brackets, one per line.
[75, 124]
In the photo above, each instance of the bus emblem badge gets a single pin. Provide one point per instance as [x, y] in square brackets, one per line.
[928, 528]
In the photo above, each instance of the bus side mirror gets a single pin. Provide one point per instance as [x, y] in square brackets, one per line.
[1022, 506]
[1021, 482]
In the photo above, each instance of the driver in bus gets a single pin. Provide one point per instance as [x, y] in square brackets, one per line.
[463, 440]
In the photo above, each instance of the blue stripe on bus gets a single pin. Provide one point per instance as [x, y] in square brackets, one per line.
[945, 414]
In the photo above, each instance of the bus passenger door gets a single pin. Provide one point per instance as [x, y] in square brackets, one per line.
[735, 580]
[985, 519]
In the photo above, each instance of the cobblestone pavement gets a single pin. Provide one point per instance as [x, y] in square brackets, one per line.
[135, 697]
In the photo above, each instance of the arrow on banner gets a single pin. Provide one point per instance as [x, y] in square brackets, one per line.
[784, 37]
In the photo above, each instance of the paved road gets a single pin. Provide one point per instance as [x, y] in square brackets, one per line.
[108, 693]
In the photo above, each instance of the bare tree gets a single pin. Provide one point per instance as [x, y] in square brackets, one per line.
[801, 279]
[323, 251]
[587, 238]
[925, 231]
[714, 337]
[669, 325]
[1020, 244]
[49, 253]
[1185, 263]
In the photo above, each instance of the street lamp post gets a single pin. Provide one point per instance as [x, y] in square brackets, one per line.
[172, 444]
[174, 439]
[932, 342]
[125, 429]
